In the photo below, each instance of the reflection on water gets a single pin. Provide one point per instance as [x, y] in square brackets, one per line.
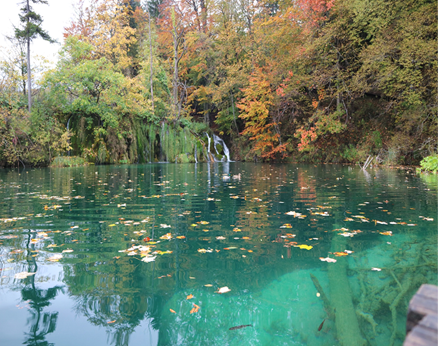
[126, 254]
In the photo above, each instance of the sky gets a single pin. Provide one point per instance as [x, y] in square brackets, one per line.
[56, 15]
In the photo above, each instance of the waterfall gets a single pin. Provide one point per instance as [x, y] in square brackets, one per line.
[162, 143]
[218, 140]
[68, 123]
[195, 153]
[208, 147]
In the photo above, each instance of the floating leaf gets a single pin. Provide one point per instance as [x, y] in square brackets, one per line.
[220, 238]
[22, 275]
[340, 254]
[172, 310]
[181, 237]
[329, 260]
[387, 233]
[376, 269]
[190, 296]
[236, 229]
[164, 226]
[303, 247]
[111, 321]
[167, 236]
[208, 285]
[55, 257]
[195, 308]
[148, 259]
[112, 225]
[223, 290]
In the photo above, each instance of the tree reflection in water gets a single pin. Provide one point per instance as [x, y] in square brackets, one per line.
[41, 323]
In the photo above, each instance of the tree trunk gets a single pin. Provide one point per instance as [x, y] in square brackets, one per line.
[150, 62]
[29, 86]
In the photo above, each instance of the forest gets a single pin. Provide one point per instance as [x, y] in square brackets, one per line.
[317, 81]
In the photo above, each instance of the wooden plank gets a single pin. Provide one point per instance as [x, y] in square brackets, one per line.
[429, 291]
[423, 303]
[429, 322]
[422, 336]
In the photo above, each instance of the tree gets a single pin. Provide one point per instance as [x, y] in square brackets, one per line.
[31, 29]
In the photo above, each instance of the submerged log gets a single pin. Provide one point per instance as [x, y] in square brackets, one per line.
[346, 321]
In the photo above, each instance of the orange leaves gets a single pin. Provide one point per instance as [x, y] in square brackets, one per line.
[190, 296]
[172, 310]
[195, 308]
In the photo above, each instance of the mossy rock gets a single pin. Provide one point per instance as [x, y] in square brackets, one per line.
[183, 158]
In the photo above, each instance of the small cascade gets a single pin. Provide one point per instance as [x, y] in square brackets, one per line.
[195, 153]
[208, 147]
[218, 140]
[162, 143]
[68, 123]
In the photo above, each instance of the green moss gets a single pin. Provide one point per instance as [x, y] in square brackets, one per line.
[68, 162]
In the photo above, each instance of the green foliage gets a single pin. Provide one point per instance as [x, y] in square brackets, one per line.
[429, 164]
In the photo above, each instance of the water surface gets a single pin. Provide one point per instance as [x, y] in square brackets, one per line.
[123, 254]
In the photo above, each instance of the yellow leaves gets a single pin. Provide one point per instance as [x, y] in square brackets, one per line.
[172, 310]
[162, 252]
[236, 229]
[190, 296]
[202, 250]
[167, 236]
[340, 254]
[203, 222]
[112, 225]
[303, 247]
[208, 285]
[387, 233]
[287, 226]
[181, 237]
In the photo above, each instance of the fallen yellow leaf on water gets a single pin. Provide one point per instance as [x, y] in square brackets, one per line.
[203, 222]
[111, 322]
[387, 233]
[340, 254]
[190, 296]
[236, 229]
[246, 238]
[172, 310]
[112, 225]
[193, 225]
[208, 285]
[181, 237]
[303, 247]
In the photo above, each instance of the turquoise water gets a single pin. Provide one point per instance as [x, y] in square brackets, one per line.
[122, 254]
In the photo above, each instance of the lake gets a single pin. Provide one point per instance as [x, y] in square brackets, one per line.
[177, 254]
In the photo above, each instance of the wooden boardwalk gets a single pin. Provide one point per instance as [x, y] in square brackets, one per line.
[422, 317]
